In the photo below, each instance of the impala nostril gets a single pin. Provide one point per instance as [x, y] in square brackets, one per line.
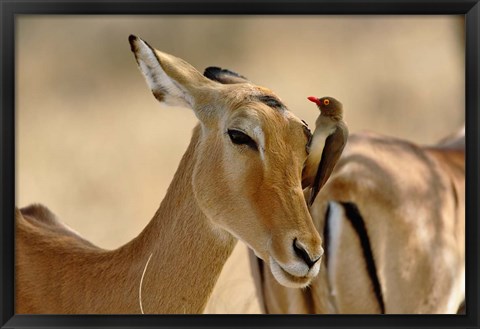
[303, 254]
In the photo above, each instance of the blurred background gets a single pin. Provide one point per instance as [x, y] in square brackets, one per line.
[95, 146]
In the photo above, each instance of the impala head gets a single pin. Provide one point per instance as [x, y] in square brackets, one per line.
[248, 162]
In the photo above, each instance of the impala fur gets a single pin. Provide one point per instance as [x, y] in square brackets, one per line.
[392, 217]
[222, 191]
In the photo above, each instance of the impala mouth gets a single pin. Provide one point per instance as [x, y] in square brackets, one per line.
[288, 279]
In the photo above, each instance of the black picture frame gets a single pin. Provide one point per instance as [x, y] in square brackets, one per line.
[10, 8]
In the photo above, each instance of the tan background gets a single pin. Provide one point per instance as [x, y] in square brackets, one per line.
[96, 148]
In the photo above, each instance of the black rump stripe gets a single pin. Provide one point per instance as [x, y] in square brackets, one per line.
[353, 215]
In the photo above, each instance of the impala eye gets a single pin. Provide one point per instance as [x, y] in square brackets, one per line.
[240, 138]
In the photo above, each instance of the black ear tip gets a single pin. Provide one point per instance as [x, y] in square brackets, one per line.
[132, 39]
[211, 72]
[213, 68]
[217, 73]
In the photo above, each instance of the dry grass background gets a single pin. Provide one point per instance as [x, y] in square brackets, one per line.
[95, 146]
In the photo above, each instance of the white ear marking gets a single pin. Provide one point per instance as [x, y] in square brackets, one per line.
[163, 87]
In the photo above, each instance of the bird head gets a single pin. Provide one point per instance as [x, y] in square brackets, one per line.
[328, 105]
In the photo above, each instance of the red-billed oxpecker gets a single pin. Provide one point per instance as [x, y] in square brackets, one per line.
[326, 146]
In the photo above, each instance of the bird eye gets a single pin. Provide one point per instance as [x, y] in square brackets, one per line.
[326, 102]
[240, 138]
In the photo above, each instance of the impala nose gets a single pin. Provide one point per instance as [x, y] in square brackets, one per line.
[301, 252]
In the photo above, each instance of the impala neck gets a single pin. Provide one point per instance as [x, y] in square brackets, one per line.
[188, 251]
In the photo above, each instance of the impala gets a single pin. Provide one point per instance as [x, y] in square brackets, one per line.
[240, 178]
[392, 218]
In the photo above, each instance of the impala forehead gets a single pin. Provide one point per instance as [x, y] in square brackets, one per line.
[237, 94]
[261, 114]
[272, 135]
[259, 120]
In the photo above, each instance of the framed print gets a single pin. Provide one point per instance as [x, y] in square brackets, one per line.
[217, 164]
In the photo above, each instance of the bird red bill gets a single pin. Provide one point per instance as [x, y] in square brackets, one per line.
[314, 99]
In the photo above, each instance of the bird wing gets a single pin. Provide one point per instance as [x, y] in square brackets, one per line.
[332, 150]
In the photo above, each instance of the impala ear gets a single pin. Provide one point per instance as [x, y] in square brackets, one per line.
[224, 76]
[171, 79]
